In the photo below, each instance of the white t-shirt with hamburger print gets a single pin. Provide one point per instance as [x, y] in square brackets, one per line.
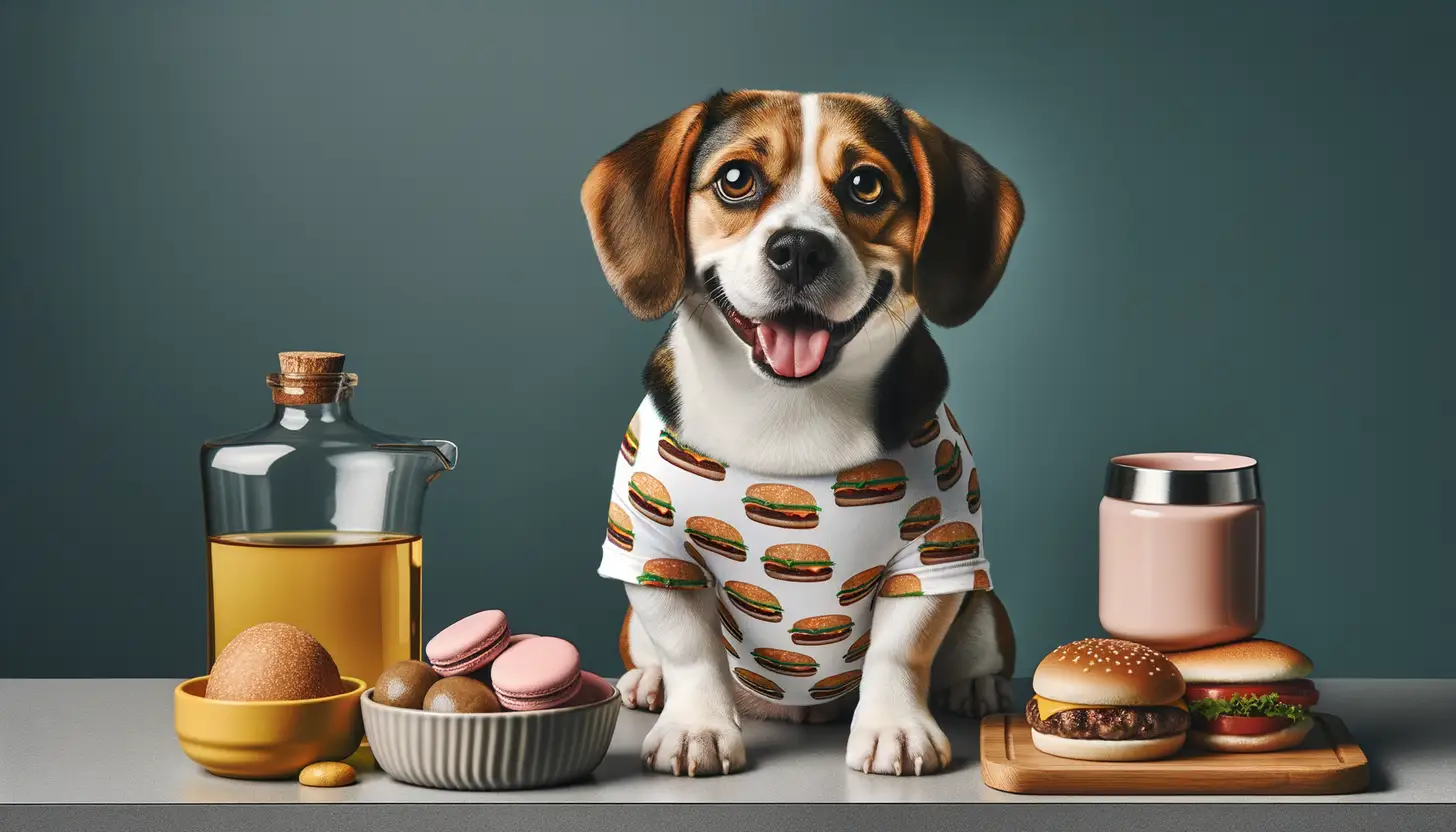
[796, 562]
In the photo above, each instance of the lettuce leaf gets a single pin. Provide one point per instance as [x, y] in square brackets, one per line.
[1241, 705]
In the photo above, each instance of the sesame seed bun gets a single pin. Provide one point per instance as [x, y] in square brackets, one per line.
[619, 527]
[785, 662]
[810, 563]
[821, 629]
[899, 586]
[1249, 662]
[950, 542]
[754, 601]
[1253, 743]
[672, 573]
[920, 518]
[879, 469]
[1108, 672]
[951, 532]
[947, 464]
[717, 537]
[859, 586]
[651, 486]
[648, 485]
[1117, 751]
[779, 495]
[887, 476]
[631, 438]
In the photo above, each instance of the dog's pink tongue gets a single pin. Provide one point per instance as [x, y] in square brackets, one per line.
[792, 352]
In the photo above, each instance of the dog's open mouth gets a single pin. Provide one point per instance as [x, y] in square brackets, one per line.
[798, 344]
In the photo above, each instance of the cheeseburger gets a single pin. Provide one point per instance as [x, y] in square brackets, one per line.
[803, 562]
[717, 537]
[950, 543]
[673, 450]
[1106, 699]
[619, 527]
[629, 439]
[1248, 696]
[821, 629]
[860, 586]
[920, 519]
[780, 505]
[670, 573]
[649, 496]
[947, 464]
[925, 433]
[881, 481]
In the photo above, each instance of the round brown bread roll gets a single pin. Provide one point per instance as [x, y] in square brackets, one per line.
[272, 662]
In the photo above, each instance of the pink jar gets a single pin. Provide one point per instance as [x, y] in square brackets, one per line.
[1181, 550]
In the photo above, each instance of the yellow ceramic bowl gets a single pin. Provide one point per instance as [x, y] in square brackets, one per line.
[265, 740]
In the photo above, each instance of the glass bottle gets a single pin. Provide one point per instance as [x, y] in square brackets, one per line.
[313, 519]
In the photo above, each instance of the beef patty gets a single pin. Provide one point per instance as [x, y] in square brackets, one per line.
[1110, 723]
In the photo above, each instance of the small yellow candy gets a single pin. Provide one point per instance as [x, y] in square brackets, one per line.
[327, 775]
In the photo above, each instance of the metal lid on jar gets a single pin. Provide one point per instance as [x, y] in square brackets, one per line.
[1184, 479]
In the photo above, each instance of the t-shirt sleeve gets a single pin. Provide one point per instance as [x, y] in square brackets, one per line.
[948, 559]
[638, 549]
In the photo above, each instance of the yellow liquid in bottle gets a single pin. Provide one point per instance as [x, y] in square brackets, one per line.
[358, 593]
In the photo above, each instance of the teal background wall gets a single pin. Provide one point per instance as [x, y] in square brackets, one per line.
[1238, 231]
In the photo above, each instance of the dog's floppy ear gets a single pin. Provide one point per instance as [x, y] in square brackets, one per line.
[969, 216]
[636, 201]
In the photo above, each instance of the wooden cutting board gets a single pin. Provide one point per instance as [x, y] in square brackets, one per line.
[1328, 762]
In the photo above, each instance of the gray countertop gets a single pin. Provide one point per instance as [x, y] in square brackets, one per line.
[109, 743]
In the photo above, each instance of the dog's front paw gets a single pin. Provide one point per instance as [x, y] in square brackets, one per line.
[897, 743]
[694, 746]
[975, 698]
[641, 687]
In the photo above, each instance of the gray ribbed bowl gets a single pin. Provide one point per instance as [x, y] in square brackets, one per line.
[488, 752]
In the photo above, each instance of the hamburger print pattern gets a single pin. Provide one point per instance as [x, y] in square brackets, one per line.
[629, 439]
[795, 563]
[694, 462]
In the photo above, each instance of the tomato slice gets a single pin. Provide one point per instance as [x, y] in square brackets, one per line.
[1297, 692]
[1246, 725]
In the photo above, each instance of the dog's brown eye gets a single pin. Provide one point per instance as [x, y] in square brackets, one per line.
[866, 185]
[736, 182]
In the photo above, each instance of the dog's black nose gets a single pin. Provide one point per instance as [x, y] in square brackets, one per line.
[798, 256]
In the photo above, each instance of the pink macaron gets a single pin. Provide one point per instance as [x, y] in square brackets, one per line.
[469, 644]
[537, 673]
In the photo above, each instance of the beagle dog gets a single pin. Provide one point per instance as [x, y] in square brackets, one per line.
[803, 241]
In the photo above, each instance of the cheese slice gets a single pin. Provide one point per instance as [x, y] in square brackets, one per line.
[1047, 708]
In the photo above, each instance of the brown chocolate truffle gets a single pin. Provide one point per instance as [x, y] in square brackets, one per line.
[461, 695]
[404, 684]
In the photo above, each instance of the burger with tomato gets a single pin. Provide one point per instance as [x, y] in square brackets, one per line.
[1247, 696]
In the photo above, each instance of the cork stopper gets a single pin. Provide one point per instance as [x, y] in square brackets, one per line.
[311, 362]
[310, 377]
